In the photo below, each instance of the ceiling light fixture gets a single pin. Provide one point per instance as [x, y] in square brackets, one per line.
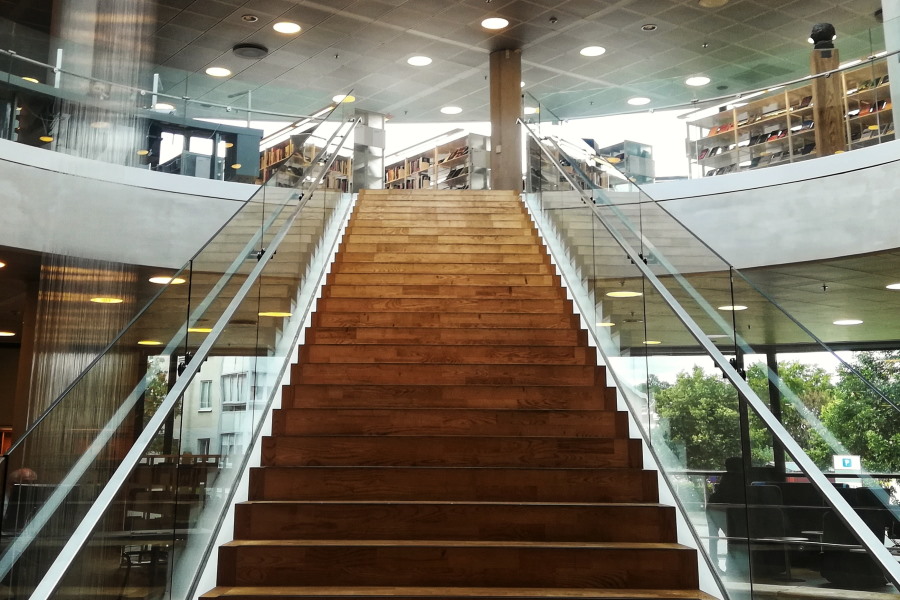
[236, 166]
[712, 3]
[638, 101]
[229, 144]
[7, 333]
[107, 300]
[30, 79]
[3, 264]
[890, 286]
[532, 110]
[494, 23]
[143, 152]
[249, 18]
[624, 294]
[451, 110]
[218, 72]
[100, 124]
[697, 80]
[649, 27]
[419, 61]
[149, 343]
[733, 307]
[652, 342]
[163, 106]
[199, 329]
[343, 98]
[274, 313]
[605, 324]
[848, 322]
[286, 27]
[593, 51]
[165, 280]
[46, 138]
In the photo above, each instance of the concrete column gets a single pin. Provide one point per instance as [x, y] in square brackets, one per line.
[828, 105]
[506, 107]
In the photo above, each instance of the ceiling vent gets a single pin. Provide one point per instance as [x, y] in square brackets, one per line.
[252, 51]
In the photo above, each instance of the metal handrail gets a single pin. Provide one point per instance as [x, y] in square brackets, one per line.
[79, 537]
[873, 545]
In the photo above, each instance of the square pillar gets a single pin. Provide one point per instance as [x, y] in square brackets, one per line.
[506, 107]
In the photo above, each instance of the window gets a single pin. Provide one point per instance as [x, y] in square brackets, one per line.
[203, 446]
[205, 388]
[234, 389]
[230, 443]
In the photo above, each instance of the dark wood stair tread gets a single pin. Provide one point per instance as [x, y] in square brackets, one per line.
[468, 593]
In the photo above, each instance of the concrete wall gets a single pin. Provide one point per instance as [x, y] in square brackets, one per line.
[52, 202]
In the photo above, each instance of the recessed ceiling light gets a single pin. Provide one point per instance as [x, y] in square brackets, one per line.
[218, 72]
[605, 324]
[733, 307]
[649, 27]
[236, 166]
[890, 286]
[451, 110]
[143, 152]
[107, 300]
[712, 3]
[164, 280]
[522, 84]
[7, 333]
[624, 294]
[149, 343]
[593, 51]
[49, 138]
[343, 98]
[697, 80]
[531, 110]
[249, 18]
[31, 79]
[638, 101]
[419, 61]
[613, 160]
[100, 124]
[199, 329]
[286, 27]
[494, 23]
[848, 322]
[652, 342]
[3, 264]
[229, 144]
[163, 106]
[274, 313]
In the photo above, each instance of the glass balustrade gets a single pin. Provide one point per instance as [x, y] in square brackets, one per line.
[753, 495]
[165, 512]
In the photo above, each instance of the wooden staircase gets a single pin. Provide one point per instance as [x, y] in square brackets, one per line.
[448, 433]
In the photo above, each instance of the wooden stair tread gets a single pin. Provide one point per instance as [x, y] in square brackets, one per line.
[455, 592]
[461, 544]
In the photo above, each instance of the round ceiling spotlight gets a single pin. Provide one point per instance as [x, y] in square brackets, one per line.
[218, 72]
[624, 294]
[3, 264]
[107, 300]
[712, 3]
[451, 110]
[697, 80]
[593, 51]
[30, 80]
[149, 343]
[638, 101]
[249, 18]
[890, 286]
[848, 322]
[733, 307]
[494, 23]
[286, 27]
[419, 61]
[606, 324]
[249, 50]
[649, 27]
[7, 333]
[46, 138]
[343, 99]
[163, 106]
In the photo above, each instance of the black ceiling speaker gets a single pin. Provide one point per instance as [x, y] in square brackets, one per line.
[254, 51]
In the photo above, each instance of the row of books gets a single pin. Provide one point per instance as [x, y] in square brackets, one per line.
[461, 151]
[457, 172]
[770, 136]
[866, 108]
[411, 183]
[869, 84]
[867, 134]
[275, 154]
[762, 161]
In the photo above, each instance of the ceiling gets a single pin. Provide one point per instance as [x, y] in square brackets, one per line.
[363, 45]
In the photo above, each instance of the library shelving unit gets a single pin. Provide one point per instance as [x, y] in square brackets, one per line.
[460, 162]
[270, 159]
[778, 127]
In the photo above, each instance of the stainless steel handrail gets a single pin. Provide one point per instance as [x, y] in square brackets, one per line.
[845, 512]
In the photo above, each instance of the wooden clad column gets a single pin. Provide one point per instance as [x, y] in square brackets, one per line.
[506, 107]
[828, 105]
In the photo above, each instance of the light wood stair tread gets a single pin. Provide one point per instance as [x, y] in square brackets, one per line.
[456, 592]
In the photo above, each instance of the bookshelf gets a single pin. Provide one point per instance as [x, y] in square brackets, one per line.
[288, 174]
[460, 163]
[779, 127]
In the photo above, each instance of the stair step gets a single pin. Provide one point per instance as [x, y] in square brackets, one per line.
[434, 259]
[451, 451]
[362, 238]
[449, 268]
[376, 290]
[413, 248]
[517, 223]
[456, 521]
[448, 305]
[373, 227]
[314, 354]
[450, 593]
[593, 397]
[449, 210]
[453, 484]
[417, 374]
[448, 279]
[446, 336]
[449, 422]
[444, 319]
[436, 563]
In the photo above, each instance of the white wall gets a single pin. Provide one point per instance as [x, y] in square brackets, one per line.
[833, 206]
[53, 202]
